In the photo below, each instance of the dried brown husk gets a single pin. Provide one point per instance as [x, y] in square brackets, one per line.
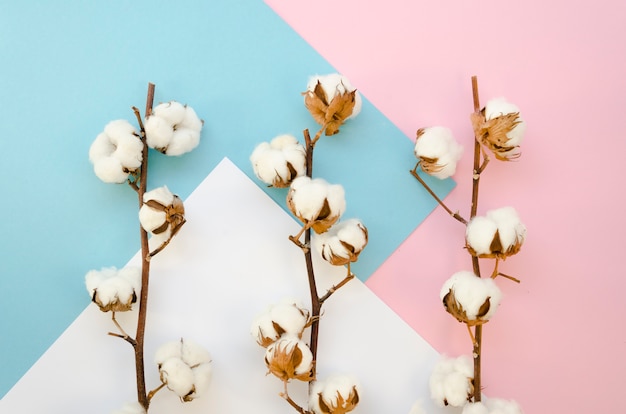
[280, 182]
[455, 309]
[493, 133]
[427, 164]
[329, 114]
[174, 215]
[116, 305]
[342, 406]
[284, 363]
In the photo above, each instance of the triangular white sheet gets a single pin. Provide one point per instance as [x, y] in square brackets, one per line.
[228, 263]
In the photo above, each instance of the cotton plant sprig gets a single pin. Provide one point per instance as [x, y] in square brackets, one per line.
[468, 297]
[120, 155]
[319, 205]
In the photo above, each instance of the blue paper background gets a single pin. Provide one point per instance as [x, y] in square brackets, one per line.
[69, 68]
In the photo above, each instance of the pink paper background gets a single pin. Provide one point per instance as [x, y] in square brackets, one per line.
[557, 343]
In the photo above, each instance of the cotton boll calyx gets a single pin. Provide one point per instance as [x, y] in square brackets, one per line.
[173, 128]
[342, 243]
[451, 382]
[500, 128]
[112, 289]
[161, 211]
[116, 152]
[285, 318]
[498, 234]
[289, 358]
[316, 203]
[184, 367]
[438, 152]
[338, 394]
[469, 298]
[280, 161]
[331, 100]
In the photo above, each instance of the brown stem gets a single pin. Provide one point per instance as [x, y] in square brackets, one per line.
[291, 402]
[456, 215]
[478, 330]
[154, 391]
[142, 396]
[338, 286]
[316, 304]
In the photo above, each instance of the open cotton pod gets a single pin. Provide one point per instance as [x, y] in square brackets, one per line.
[500, 128]
[337, 394]
[452, 381]
[498, 234]
[342, 243]
[279, 161]
[316, 203]
[469, 298]
[437, 151]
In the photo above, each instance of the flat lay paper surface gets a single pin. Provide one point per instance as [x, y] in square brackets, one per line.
[230, 261]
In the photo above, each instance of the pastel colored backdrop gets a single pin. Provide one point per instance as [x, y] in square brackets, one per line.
[558, 341]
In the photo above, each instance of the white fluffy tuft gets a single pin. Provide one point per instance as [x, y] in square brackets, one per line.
[270, 160]
[185, 367]
[116, 152]
[173, 129]
[438, 143]
[498, 107]
[338, 385]
[308, 197]
[450, 381]
[471, 292]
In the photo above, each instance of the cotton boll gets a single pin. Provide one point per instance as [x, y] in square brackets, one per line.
[499, 107]
[501, 406]
[337, 394]
[177, 376]
[173, 112]
[285, 318]
[342, 243]
[193, 354]
[475, 408]
[110, 170]
[469, 298]
[116, 152]
[159, 132]
[479, 234]
[202, 378]
[316, 202]
[289, 358]
[183, 140]
[510, 228]
[113, 290]
[130, 408]
[151, 218]
[437, 151]
[280, 161]
[173, 129]
[191, 120]
[451, 381]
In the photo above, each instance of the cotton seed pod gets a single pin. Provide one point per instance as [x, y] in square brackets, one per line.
[285, 318]
[279, 161]
[315, 202]
[498, 234]
[331, 100]
[500, 128]
[342, 243]
[438, 152]
[338, 394]
[452, 381]
[116, 152]
[184, 367]
[161, 211]
[173, 128]
[114, 290]
[469, 298]
[289, 358]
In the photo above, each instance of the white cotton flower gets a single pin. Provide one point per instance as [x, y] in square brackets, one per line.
[469, 298]
[130, 408]
[500, 128]
[499, 233]
[289, 358]
[279, 161]
[437, 151]
[285, 318]
[316, 201]
[451, 381]
[161, 211]
[335, 84]
[337, 394]
[173, 128]
[112, 289]
[116, 152]
[342, 243]
[184, 367]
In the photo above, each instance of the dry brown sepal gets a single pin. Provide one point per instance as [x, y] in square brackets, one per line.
[342, 405]
[174, 215]
[285, 361]
[331, 114]
[496, 249]
[115, 305]
[323, 220]
[493, 134]
[455, 309]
